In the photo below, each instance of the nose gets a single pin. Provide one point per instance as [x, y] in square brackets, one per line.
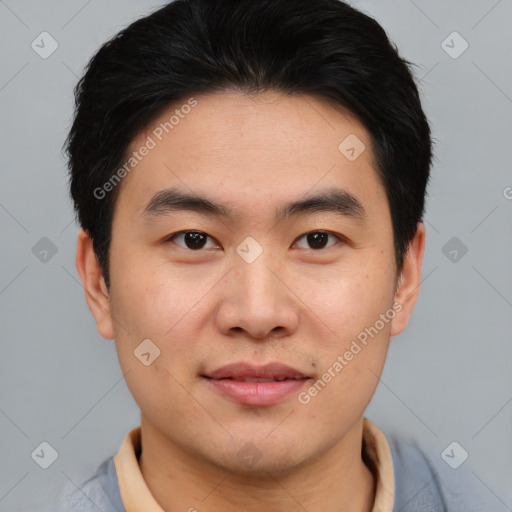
[257, 301]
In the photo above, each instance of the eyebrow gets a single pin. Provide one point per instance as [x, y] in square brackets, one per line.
[334, 200]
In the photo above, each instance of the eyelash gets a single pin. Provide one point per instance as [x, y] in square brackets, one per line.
[339, 237]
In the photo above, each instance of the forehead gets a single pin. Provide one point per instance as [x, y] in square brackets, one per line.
[253, 148]
[267, 119]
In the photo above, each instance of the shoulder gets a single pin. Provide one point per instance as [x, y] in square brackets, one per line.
[99, 492]
[424, 481]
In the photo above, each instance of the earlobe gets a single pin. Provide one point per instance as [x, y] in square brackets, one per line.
[96, 292]
[409, 282]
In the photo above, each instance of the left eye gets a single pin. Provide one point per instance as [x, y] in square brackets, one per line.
[318, 239]
[196, 240]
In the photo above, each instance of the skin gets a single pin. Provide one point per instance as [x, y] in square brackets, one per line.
[294, 304]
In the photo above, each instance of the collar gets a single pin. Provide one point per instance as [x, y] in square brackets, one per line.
[137, 496]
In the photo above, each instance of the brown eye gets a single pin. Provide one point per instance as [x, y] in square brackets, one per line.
[318, 239]
[193, 240]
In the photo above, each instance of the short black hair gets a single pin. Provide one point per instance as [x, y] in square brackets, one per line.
[323, 48]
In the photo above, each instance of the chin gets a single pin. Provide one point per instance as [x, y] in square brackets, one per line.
[261, 459]
[267, 467]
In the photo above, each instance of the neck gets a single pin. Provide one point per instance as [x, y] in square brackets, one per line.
[338, 480]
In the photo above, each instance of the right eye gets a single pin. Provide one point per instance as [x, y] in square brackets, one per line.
[193, 240]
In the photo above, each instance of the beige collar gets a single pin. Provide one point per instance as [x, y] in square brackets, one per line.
[136, 495]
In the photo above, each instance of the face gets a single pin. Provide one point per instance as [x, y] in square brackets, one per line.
[251, 281]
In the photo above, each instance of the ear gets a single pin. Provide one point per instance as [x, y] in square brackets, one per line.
[409, 282]
[96, 292]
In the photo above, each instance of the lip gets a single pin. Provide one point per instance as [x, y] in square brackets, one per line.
[249, 371]
[228, 381]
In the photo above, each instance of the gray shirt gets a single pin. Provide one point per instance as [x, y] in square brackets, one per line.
[424, 482]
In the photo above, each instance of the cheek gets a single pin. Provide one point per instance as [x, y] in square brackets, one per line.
[354, 350]
[350, 370]
[152, 298]
[162, 395]
[164, 306]
[346, 301]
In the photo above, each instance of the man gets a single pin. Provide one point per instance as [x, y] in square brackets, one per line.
[250, 179]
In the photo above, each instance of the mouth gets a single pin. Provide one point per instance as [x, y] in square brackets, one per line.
[256, 385]
[256, 379]
[252, 373]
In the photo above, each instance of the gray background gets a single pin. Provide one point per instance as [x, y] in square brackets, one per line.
[448, 375]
